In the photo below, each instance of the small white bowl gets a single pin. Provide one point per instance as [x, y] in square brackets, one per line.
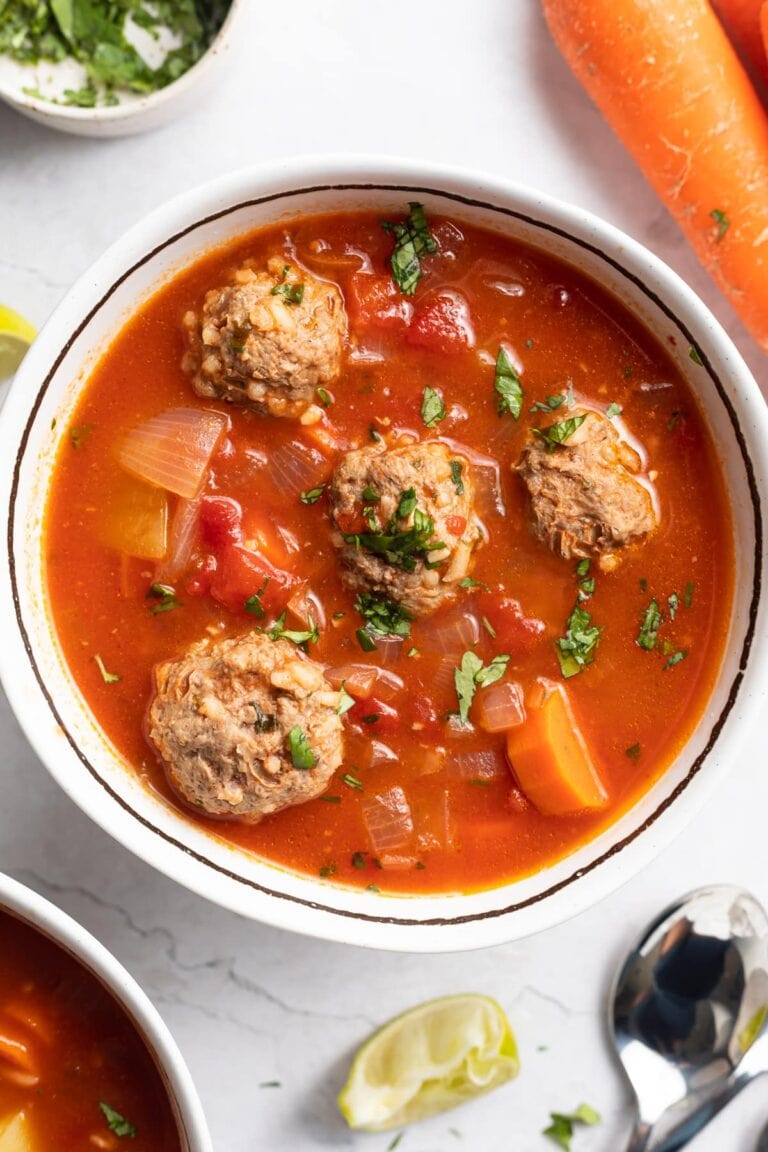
[51, 708]
[73, 939]
[136, 112]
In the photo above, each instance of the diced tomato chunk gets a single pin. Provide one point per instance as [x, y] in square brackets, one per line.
[456, 524]
[199, 583]
[375, 716]
[376, 302]
[241, 574]
[442, 323]
[516, 633]
[221, 521]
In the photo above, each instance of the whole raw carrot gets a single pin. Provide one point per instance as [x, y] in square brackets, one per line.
[741, 20]
[667, 79]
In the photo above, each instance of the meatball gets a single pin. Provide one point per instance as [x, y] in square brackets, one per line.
[268, 340]
[586, 500]
[404, 522]
[246, 726]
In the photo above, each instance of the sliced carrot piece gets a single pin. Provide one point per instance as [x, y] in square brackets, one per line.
[550, 758]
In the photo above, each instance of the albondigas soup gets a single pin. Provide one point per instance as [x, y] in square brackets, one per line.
[396, 552]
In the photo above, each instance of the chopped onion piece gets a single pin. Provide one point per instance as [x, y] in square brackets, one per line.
[486, 473]
[173, 450]
[136, 519]
[433, 822]
[388, 820]
[295, 467]
[483, 764]
[453, 634]
[364, 680]
[183, 537]
[389, 649]
[430, 760]
[305, 604]
[500, 707]
[382, 754]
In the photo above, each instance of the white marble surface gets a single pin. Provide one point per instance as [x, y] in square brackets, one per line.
[480, 84]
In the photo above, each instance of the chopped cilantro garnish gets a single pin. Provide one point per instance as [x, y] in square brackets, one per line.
[352, 782]
[556, 434]
[456, 470]
[270, 1084]
[291, 292]
[432, 407]
[358, 860]
[695, 355]
[560, 1131]
[489, 627]
[473, 674]
[326, 871]
[673, 601]
[628, 370]
[633, 752]
[278, 631]
[165, 597]
[330, 799]
[383, 617]
[688, 594]
[117, 1123]
[253, 603]
[395, 1141]
[722, 222]
[674, 659]
[79, 435]
[468, 582]
[312, 495]
[412, 243]
[345, 700]
[372, 888]
[302, 755]
[324, 397]
[550, 404]
[370, 495]
[401, 547]
[93, 33]
[614, 410]
[412, 652]
[649, 628]
[582, 568]
[365, 640]
[107, 677]
[576, 649]
[506, 383]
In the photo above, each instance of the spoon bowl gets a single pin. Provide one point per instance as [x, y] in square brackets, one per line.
[688, 1004]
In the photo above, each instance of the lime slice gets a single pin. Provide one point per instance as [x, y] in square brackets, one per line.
[16, 335]
[430, 1059]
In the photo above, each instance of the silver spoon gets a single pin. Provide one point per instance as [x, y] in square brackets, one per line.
[688, 1009]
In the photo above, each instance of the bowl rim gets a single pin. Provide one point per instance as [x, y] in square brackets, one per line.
[123, 113]
[633, 261]
[47, 918]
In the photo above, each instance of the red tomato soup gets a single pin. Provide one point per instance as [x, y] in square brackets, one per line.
[74, 1072]
[460, 509]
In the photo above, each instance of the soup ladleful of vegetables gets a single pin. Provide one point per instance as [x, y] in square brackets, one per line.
[395, 552]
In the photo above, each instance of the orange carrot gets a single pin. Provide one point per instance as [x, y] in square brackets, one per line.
[550, 758]
[667, 79]
[741, 20]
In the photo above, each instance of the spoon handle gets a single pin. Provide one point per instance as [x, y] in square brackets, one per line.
[648, 1138]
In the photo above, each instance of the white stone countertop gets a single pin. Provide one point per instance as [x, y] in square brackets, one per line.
[478, 83]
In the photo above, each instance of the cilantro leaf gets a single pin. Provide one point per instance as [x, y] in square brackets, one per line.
[432, 407]
[401, 547]
[413, 241]
[117, 1123]
[560, 1131]
[107, 677]
[556, 434]
[302, 755]
[165, 597]
[345, 700]
[506, 383]
[383, 617]
[722, 222]
[278, 631]
[471, 675]
[613, 410]
[652, 620]
[456, 476]
[576, 649]
[312, 495]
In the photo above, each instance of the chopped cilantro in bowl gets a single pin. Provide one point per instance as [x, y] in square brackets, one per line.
[93, 55]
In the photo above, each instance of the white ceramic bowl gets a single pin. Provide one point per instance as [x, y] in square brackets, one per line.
[51, 708]
[135, 113]
[49, 920]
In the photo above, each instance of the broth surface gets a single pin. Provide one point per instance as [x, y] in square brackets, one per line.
[634, 712]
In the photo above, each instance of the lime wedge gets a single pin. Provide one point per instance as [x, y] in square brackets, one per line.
[430, 1059]
[16, 335]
